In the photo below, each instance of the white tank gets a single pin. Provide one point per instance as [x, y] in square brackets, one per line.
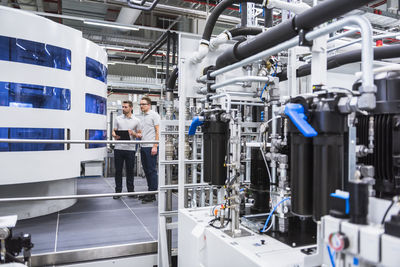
[52, 86]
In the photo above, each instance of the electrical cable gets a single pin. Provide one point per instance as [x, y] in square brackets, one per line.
[388, 209]
[272, 212]
[331, 256]
[265, 86]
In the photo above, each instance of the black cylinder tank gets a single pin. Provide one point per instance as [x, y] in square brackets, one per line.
[358, 202]
[301, 174]
[215, 136]
[259, 182]
[329, 162]
[386, 156]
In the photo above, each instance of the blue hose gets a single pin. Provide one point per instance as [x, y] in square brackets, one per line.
[331, 255]
[273, 75]
[265, 86]
[272, 212]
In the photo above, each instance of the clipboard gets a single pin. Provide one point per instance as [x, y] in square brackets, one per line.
[124, 135]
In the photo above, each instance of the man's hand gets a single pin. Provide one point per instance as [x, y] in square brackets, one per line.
[131, 132]
[139, 135]
[116, 137]
[154, 151]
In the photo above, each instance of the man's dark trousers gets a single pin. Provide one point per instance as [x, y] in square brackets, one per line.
[149, 163]
[129, 157]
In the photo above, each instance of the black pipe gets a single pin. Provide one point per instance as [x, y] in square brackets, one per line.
[167, 64]
[141, 7]
[154, 47]
[172, 80]
[268, 17]
[307, 20]
[243, 15]
[138, 91]
[212, 19]
[383, 52]
[245, 31]
[174, 39]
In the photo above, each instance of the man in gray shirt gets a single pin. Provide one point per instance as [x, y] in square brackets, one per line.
[125, 152]
[150, 122]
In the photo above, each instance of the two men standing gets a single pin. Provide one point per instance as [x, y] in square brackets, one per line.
[147, 128]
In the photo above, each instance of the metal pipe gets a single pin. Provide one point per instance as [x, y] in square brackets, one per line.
[142, 7]
[344, 34]
[367, 55]
[45, 141]
[241, 79]
[17, 199]
[248, 104]
[366, 35]
[269, 52]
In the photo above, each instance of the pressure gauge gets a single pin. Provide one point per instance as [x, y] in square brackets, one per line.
[338, 241]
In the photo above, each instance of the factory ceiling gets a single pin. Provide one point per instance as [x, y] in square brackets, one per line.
[176, 15]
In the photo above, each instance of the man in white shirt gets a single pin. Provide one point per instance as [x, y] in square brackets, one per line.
[125, 152]
[150, 122]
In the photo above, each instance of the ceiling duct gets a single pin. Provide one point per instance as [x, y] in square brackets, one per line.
[128, 16]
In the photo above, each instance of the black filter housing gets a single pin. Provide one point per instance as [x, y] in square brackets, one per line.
[259, 183]
[215, 136]
[301, 174]
[329, 153]
[358, 202]
[386, 156]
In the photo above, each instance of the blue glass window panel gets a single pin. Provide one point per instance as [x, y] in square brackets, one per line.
[96, 104]
[97, 135]
[34, 96]
[30, 52]
[31, 133]
[96, 70]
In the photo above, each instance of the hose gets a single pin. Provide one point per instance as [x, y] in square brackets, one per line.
[212, 19]
[272, 212]
[307, 20]
[172, 80]
[383, 52]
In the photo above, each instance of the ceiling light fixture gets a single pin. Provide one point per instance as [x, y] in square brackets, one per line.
[110, 25]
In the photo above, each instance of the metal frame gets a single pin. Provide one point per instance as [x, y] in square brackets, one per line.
[90, 254]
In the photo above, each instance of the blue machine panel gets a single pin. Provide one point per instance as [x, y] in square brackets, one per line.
[34, 96]
[96, 104]
[31, 133]
[96, 70]
[35, 53]
[96, 135]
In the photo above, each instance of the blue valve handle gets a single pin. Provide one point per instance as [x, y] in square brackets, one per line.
[197, 121]
[296, 114]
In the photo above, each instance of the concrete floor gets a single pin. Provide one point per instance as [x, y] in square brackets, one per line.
[96, 222]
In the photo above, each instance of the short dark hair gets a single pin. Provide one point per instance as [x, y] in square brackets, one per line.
[129, 103]
[147, 99]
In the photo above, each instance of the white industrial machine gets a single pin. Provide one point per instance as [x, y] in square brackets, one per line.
[305, 170]
[280, 162]
[50, 76]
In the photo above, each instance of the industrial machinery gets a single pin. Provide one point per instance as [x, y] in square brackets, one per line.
[305, 177]
[12, 245]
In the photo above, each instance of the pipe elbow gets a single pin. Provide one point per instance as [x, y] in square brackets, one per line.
[217, 41]
[200, 54]
[295, 8]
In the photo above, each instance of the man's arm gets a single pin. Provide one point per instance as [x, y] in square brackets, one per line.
[154, 149]
[115, 135]
[138, 132]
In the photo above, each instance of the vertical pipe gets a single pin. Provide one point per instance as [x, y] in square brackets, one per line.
[243, 14]
[268, 17]
[174, 37]
[167, 64]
